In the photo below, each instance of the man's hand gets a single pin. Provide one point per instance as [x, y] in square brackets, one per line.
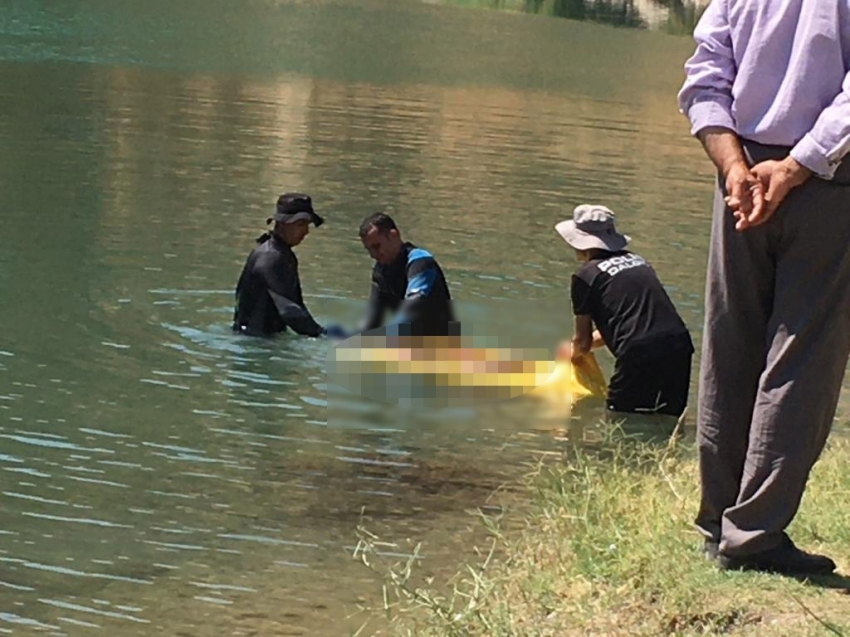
[569, 351]
[744, 191]
[565, 351]
[577, 356]
[335, 332]
[778, 178]
[744, 196]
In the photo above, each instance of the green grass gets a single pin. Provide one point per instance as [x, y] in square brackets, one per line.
[607, 548]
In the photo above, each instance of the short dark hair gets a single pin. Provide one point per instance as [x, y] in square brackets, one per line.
[379, 220]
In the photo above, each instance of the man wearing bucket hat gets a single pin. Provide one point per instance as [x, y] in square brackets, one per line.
[268, 294]
[618, 292]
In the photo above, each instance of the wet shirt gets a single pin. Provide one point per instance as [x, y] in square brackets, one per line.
[629, 306]
[412, 286]
[268, 294]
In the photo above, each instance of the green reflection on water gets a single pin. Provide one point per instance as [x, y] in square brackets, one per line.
[671, 16]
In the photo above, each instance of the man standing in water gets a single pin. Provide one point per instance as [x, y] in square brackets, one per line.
[768, 95]
[406, 280]
[268, 294]
[618, 292]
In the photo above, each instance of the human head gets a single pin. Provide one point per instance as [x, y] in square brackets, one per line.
[381, 238]
[592, 228]
[293, 215]
[293, 232]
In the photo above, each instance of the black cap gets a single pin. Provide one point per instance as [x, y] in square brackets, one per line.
[294, 206]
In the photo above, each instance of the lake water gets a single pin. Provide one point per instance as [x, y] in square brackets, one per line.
[159, 475]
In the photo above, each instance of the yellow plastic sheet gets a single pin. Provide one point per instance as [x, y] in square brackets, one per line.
[479, 372]
[575, 381]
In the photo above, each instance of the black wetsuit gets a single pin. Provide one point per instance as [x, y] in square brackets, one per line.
[268, 295]
[412, 286]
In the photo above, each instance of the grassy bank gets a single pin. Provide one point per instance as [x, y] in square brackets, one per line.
[607, 548]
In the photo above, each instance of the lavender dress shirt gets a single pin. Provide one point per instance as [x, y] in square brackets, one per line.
[775, 72]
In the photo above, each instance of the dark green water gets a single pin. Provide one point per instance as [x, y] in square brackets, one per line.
[159, 475]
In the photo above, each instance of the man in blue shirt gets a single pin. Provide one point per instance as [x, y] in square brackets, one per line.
[407, 281]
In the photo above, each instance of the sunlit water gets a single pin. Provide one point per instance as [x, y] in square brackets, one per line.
[159, 475]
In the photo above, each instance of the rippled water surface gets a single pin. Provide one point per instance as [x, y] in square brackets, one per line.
[159, 475]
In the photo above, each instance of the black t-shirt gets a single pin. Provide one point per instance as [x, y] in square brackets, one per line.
[623, 296]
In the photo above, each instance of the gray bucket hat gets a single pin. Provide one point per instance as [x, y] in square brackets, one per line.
[592, 227]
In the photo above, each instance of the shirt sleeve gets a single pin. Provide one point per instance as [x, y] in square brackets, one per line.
[296, 316]
[826, 144]
[580, 293]
[706, 96]
[421, 278]
[282, 288]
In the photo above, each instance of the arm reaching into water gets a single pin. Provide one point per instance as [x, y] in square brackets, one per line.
[565, 348]
[284, 289]
[422, 275]
[598, 341]
[375, 309]
[583, 338]
[296, 317]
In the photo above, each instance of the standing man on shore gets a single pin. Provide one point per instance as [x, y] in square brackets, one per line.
[768, 95]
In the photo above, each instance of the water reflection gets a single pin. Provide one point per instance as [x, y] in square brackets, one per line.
[671, 16]
[623, 13]
[159, 474]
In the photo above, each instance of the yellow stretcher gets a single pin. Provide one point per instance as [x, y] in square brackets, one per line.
[480, 372]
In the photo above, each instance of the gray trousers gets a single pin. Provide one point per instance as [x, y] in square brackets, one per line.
[775, 348]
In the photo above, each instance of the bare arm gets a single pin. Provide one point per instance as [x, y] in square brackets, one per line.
[744, 190]
[567, 348]
[375, 309]
[706, 99]
[598, 341]
[582, 336]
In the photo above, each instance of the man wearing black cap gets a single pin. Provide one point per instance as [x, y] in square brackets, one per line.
[268, 295]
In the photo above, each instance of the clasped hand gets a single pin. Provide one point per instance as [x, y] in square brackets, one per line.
[754, 194]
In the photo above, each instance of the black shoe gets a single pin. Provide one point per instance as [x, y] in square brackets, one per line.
[784, 558]
[711, 549]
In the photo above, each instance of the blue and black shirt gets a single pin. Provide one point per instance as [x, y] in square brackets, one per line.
[414, 288]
